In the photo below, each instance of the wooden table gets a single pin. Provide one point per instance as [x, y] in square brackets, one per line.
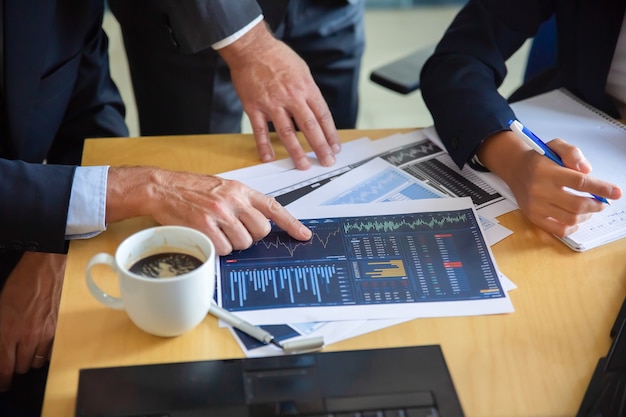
[536, 361]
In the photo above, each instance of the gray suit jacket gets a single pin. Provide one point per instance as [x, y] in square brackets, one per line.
[197, 24]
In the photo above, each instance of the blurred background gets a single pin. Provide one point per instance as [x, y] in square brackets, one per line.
[394, 29]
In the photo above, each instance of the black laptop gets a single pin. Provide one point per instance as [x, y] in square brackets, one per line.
[394, 382]
[606, 392]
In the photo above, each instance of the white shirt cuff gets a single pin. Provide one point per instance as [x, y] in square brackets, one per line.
[87, 209]
[235, 36]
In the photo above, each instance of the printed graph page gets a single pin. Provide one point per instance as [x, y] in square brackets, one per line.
[374, 181]
[407, 259]
[426, 162]
[378, 181]
[413, 152]
[290, 184]
[330, 331]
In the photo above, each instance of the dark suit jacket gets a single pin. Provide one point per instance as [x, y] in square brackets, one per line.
[459, 81]
[56, 92]
[197, 24]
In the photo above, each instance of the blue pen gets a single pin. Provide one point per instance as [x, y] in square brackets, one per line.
[540, 147]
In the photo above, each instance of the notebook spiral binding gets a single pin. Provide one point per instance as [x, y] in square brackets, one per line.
[608, 119]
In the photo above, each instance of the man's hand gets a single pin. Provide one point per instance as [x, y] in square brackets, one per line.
[540, 185]
[232, 214]
[275, 85]
[29, 305]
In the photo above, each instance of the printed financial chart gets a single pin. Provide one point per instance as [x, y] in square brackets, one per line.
[395, 258]
[422, 160]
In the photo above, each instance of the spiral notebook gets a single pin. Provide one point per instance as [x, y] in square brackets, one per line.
[560, 114]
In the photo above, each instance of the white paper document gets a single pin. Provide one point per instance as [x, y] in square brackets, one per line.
[413, 152]
[405, 259]
[602, 139]
[330, 331]
[392, 170]
[378, 181]
[272, 172]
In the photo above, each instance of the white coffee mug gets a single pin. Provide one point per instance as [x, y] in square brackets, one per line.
[161, 306]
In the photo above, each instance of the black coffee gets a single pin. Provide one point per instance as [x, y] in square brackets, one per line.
[165, 265]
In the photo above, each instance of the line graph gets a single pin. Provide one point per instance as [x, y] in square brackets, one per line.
[416, 151]
[394, 258]
[406, 223]
[277, 244]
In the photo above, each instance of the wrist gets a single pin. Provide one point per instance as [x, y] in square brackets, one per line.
[247, 48]
[130, 192]
[501, 152]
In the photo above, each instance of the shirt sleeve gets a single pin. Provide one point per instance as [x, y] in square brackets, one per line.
[199, 24]
[87, 209]
[232, 38]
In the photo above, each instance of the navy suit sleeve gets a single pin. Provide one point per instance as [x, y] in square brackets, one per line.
[198, 24]
[459, 82]
[73, 98]
[34, 213]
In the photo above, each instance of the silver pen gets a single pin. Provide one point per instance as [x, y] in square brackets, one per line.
[298, 346]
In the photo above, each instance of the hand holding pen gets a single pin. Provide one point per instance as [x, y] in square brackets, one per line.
[541, 148]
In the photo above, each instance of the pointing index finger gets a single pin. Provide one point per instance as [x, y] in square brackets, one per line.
[274, 211]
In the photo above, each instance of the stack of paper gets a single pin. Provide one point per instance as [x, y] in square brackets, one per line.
[419, 247]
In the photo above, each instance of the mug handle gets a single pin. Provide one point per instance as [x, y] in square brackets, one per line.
[106, 299]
